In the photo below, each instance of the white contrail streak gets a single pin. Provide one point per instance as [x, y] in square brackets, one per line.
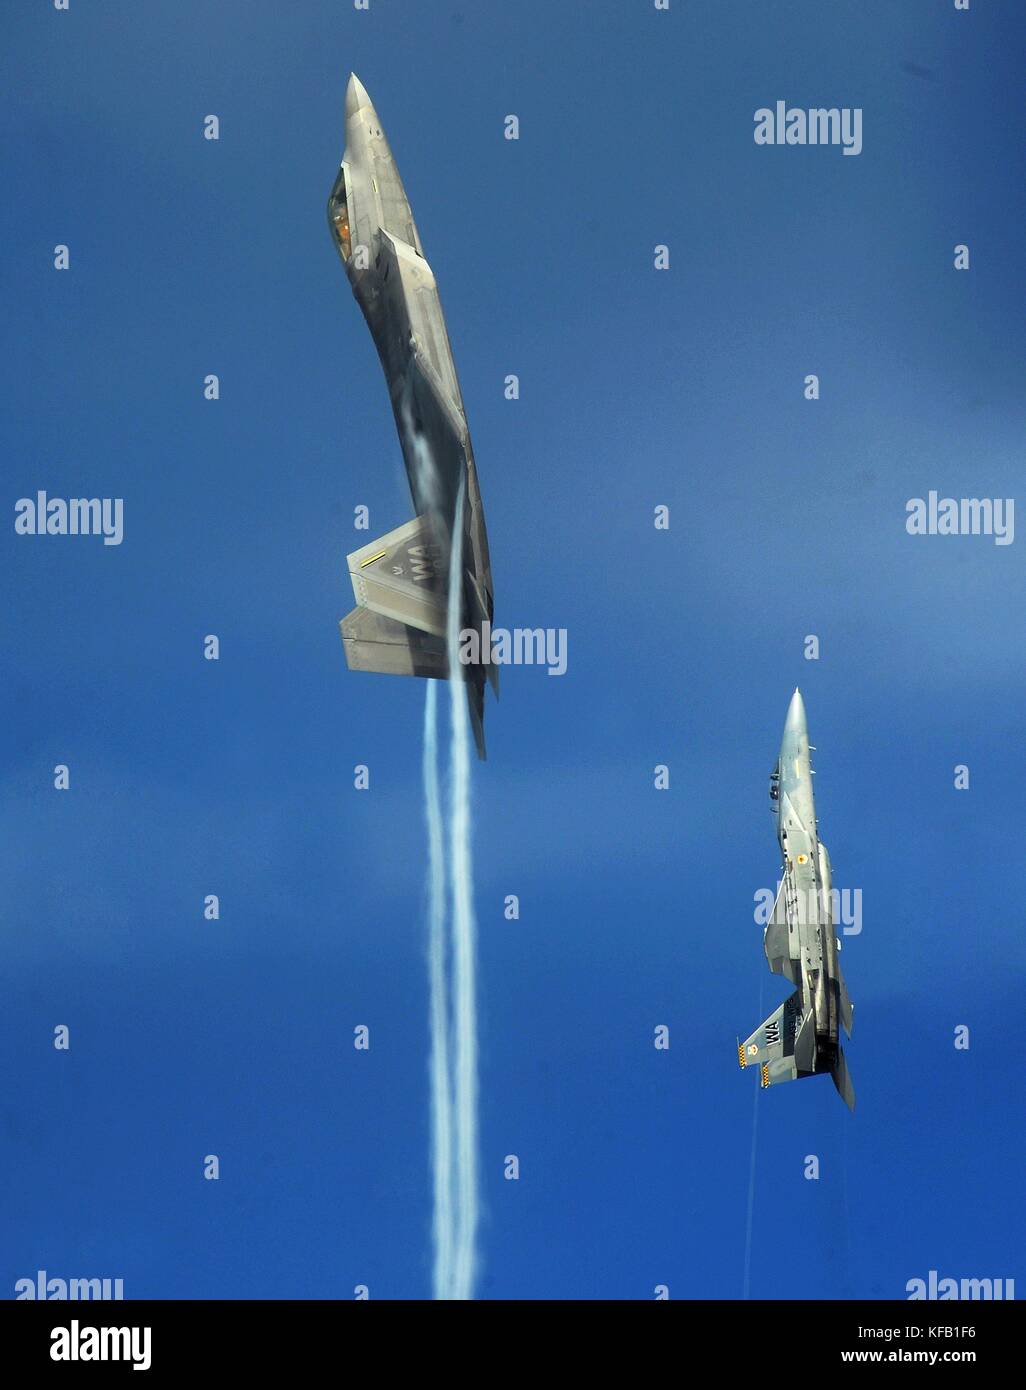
[451, 956]
[751, 1178]
[463, 940]
[439, 1067]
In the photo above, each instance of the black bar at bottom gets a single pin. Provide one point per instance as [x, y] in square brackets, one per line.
[180, 1339]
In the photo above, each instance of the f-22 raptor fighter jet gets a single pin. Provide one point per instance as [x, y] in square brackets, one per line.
[402, 580]
[801, 1038]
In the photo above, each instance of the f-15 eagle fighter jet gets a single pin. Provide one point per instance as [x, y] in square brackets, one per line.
[801, 1037]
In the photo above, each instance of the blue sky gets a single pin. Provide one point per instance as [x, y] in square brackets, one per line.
[638, 388]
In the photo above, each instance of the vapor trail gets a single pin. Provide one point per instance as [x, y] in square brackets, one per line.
[439, 1067]
[751, 1178]
[451, 957]
[463, 938]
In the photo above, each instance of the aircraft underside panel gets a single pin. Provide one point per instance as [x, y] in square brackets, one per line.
[422, 310]
[433, 434]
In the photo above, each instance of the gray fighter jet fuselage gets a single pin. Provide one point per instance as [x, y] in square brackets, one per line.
[801, 1038]
[402, 580]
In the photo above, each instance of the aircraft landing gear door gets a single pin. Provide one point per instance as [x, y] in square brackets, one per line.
[338, 215]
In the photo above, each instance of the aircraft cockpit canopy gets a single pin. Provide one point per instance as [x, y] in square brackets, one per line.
[338, 216]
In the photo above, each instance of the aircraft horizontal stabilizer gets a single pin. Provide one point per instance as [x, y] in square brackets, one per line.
[376, 643]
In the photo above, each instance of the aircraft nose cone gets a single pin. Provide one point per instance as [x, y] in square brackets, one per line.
[356, 95]
[796, 723]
